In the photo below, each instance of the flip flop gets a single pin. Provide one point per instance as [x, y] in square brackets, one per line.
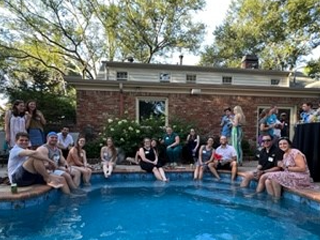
[55, 185]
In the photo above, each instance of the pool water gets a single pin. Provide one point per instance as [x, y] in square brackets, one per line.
[155, 210]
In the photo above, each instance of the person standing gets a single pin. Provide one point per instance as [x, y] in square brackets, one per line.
[35, 122]
[14, 122]
[237, 132]
[307, 112]
[65, 141]
[226, 123]
[285, 125]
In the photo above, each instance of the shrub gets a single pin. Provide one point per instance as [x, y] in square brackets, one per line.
[127, 134]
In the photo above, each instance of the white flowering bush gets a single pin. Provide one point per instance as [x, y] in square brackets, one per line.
[127, 134]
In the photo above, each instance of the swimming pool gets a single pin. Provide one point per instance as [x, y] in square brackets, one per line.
[146, 209]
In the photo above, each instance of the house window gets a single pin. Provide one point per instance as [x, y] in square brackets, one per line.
[122, 76]
[275, 82]
[152, 107]
[191, 78]
[165, 77]
[227, 80]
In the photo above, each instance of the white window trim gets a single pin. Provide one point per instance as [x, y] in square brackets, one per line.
[166, 100]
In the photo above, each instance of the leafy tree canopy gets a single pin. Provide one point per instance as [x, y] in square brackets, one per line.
[279, 32]
[75, 35]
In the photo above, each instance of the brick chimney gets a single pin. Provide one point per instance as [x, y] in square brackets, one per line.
[250, 61]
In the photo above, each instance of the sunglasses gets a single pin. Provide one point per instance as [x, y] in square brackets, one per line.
[266, 140]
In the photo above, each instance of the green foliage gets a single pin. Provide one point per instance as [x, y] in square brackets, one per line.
[313, 69]
[278, 32]
[127, 134]
[246, 148]
[74, 36]
[92, 149]
[37, 84]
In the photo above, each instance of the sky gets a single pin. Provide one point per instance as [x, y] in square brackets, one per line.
[213, 16]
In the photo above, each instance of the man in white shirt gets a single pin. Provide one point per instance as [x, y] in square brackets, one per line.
[65, 141]
[225, 158]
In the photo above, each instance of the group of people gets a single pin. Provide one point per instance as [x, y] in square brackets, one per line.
[280, 166]
[24, 118]
[47, 164]
[61, 163]
[34, 158]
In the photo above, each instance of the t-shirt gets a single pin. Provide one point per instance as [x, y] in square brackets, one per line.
[227, 152]
[270, 159]
[15, 161]
[169, 139]
[65, 141]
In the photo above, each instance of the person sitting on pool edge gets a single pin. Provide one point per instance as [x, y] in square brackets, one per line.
[206, 154]
[72, 176]
[268, 162]
[149, 160]
[225, 157]
[27, 167]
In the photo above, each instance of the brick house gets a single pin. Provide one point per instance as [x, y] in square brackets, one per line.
[190, 92]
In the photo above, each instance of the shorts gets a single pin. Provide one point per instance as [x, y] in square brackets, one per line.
[24, 178]
[58, 172]
[226, 166]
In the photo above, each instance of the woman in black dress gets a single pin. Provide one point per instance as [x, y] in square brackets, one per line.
[149, 160]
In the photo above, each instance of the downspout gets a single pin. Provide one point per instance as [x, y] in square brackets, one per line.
[121, 101]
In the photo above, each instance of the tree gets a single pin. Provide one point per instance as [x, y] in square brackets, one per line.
[279, 32]
[75, 35]
[56, 101]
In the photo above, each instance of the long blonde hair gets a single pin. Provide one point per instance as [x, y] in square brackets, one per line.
[238, 111]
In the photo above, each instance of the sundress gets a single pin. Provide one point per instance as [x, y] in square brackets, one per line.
[289, 179]
[17, 124]
[236, 139]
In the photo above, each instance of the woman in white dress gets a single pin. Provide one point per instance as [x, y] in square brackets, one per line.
[14, 122]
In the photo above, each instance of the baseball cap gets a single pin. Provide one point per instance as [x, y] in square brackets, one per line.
[52, 134]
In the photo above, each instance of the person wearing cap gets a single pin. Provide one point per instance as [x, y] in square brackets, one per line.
[71, 175]
[27, 167]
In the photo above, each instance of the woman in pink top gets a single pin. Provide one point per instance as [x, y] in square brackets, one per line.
[295, 174]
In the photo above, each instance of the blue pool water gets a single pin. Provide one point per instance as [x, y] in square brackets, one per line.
[153, 210]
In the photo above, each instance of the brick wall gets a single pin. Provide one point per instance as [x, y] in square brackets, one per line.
[95, 107]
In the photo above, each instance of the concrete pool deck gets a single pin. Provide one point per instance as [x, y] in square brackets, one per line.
[39, 190]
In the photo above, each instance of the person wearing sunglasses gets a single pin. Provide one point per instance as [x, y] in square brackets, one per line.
[268, 162]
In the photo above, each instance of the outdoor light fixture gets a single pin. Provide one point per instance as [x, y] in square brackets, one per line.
[195, 91]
